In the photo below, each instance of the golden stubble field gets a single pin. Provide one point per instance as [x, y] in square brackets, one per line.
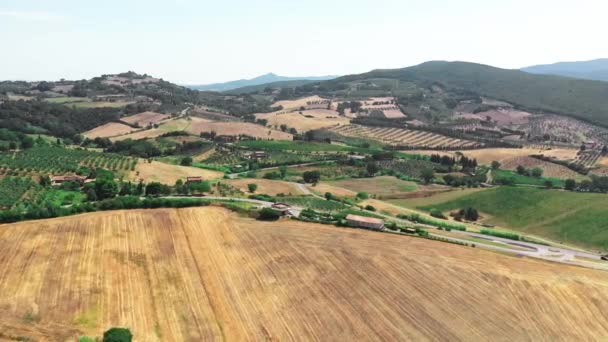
[205, 274]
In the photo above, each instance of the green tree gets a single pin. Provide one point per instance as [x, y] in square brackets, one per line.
[372, 169]
[427, 175]
[267, 214]
[283, 171]
[329, 196]
[105, 188]
[153, 189]
[521, 170]
[495, 165]
[311, 176]
[471, 214]
[570, 184]
[186, 161]
[362, 195]
[252, 187]
[548, 184]
[45, 180]
[117, 335]
[536, 172]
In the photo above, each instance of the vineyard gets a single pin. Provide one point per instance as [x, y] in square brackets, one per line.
[406, 137]
[12, 190]
[55, 160]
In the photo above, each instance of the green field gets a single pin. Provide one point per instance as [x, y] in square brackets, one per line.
[313, 203]
[300, 146]
[527, 180]
[571, 217]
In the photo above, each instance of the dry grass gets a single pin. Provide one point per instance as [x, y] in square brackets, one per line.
[101, 104]
[297, 104]
[169, 174]
[165, 127]
[323, 187]
[236, 128]
[487, 155]
[430, 197]
[266, 186]
[319, 118]
[380, 187]
[549, 169]
[205, 274]
[146, 118]
[111, 129]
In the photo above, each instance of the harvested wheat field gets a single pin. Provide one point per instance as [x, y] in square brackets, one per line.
[308, 120]
[207, 274]
[108, 130]
[549, 169]
[169, 174]
[487, 155]
[298, 103]
[165, 127]
[236, 128]
[146, 118]
[266, 186]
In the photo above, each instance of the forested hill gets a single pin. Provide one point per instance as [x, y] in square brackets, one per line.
[584, 99]
[592, 70]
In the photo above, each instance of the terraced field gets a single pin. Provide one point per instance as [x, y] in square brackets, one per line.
[405, 137]
[205, 274]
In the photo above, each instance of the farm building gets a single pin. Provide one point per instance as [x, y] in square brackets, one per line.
[282, 208]
[58, 180]
[365, 222]
[196, 179]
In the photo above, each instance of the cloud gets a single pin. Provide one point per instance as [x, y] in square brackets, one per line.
[32, 16]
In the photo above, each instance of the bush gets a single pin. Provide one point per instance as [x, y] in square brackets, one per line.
[370, 208]
[311, 176]
[267, 214]
[505, 235]
[117, 335]
[186, 161]
[252, 187]
[362, 195]
[437, 214]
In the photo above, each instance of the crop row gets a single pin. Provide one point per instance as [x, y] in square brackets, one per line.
[399, 136]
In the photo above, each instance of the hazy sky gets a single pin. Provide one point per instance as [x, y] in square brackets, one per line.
[188, 41]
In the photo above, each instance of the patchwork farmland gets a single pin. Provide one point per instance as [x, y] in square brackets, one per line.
[406, 137]
[208, 274]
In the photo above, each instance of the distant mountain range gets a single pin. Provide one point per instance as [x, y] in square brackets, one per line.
[591, 70]
[260, 80]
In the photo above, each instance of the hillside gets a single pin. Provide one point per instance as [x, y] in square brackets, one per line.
[207, 274]
[579, 98]
[260, 80]
[592, 70]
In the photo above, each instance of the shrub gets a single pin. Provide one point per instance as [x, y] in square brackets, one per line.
[362, 195]
[267, 214]
[311, 176]
[437, 214]
[117, 335]
[370, 208]
[505, 235]
[252, 187]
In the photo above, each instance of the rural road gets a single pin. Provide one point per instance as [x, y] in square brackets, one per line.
[235, 175]
[519, 248]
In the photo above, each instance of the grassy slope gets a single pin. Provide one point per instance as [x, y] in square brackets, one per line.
[578, 218]
[580, 98]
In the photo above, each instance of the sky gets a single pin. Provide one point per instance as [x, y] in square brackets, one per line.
[198, 42]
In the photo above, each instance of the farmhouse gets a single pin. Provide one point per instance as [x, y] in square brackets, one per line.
[365, 222]
[58, 180]
[196, 179]
[282, 208]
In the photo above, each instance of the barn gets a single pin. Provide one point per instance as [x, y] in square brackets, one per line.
[365, 222]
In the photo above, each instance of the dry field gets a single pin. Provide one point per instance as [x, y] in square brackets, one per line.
[380, 187]
[165, 127]
[146, 118]
[108, 130]
[167, 173]
[206, 274]
[487, 155]
[503, 116]
[236, 128]
[387, 105]
[324, 187]
[266, 186]
[549, 169]
[297, 104]
[319, 118]
[405, 137]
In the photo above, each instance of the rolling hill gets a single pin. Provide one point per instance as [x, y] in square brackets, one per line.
[260, 80]
[205, 274]
[596, 69]
[583, 99]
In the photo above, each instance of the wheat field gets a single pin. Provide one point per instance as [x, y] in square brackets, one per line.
[205, 274]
